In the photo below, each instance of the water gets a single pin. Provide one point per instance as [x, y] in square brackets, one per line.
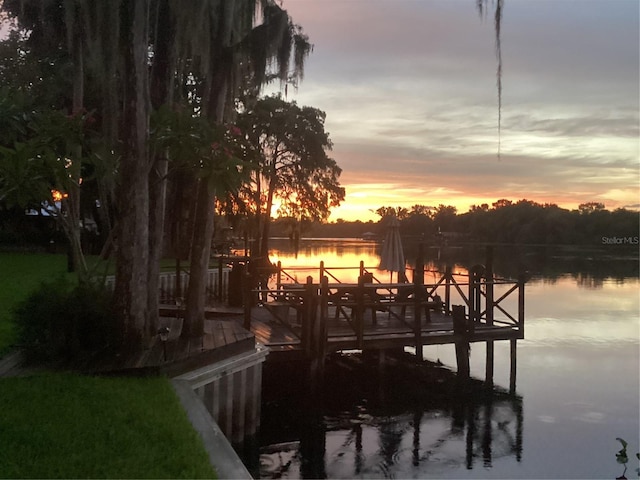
[577, 384]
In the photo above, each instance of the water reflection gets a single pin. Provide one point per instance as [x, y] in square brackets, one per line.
[590, 267]
[414, 444]
[577, 371]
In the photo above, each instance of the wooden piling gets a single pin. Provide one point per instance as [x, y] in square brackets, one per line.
[308, 319]
[318, 320]
[418, 273]
[462, 341]
[522, 279]
[488, 280]
[279, 276]
[513, 366]
[475, 295]
[247, 300]
[359, 313]
[417, 320]
[447, 290]
[488, 374]
[220, 262]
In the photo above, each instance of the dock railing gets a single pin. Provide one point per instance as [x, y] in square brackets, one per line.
[484, 295]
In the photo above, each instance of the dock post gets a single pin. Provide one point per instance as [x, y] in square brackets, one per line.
[360, 311]
[220, 278]
[447, 290]
[279, 277]
[513, 366]
[488, 279]
[417, 319]
[462, 341]
[488, 373]
[522, 279]
[177, 292]
[247, 300]
[475, 295]
[306, 336]
[319, 337]
[418, 273]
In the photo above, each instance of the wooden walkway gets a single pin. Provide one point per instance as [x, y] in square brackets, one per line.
[284, 333]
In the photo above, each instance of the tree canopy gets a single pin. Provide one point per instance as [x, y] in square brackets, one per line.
[121, 60]
[292, 166]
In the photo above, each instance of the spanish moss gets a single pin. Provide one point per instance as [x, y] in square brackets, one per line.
[498, 21]
[482, 10]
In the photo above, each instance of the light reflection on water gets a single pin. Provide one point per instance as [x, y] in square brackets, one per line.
[578, 383]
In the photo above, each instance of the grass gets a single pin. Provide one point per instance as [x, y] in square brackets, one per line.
[63, 425]
[70, 426]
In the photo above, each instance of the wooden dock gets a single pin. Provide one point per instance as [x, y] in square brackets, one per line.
[313, 319]
[284, 335]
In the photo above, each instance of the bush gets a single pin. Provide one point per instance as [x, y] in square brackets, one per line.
[64, 320]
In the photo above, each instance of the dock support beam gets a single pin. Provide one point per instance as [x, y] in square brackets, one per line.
[488, 374]
[514, 364]
[462, 343]
[318, 322]
[488, 279]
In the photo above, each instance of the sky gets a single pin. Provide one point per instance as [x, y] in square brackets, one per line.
[409, 90]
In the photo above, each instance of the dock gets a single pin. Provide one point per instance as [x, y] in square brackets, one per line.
[325, 315]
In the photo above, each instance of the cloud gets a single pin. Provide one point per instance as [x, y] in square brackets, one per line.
[409, 88]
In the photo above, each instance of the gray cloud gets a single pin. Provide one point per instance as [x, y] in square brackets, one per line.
[409, 89]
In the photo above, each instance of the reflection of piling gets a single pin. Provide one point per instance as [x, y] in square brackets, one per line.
[462, 341]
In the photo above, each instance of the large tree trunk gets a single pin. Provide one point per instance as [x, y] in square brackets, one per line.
[132, 257]
[200, 252]
[216, 93]
[266, 228]
[160, 94]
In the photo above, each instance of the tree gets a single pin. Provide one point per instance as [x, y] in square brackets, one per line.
[292, 167]
[128, 57]
[399, 212]
[590, 207]
[444, 217]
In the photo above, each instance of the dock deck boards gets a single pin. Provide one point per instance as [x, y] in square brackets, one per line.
[283, 334]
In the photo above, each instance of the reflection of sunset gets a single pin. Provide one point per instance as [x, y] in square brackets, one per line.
[343, 263]
[554, 309]
[560, 310]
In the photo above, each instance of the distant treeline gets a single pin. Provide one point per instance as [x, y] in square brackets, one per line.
[521, 222]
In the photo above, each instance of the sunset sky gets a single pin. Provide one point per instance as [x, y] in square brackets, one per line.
[409, 89]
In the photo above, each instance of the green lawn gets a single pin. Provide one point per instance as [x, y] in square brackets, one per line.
[72, 426]
[62, 425]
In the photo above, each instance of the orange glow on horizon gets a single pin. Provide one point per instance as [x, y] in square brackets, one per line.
[362, 205]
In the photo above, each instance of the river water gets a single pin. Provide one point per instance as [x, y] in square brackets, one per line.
[577, 384]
